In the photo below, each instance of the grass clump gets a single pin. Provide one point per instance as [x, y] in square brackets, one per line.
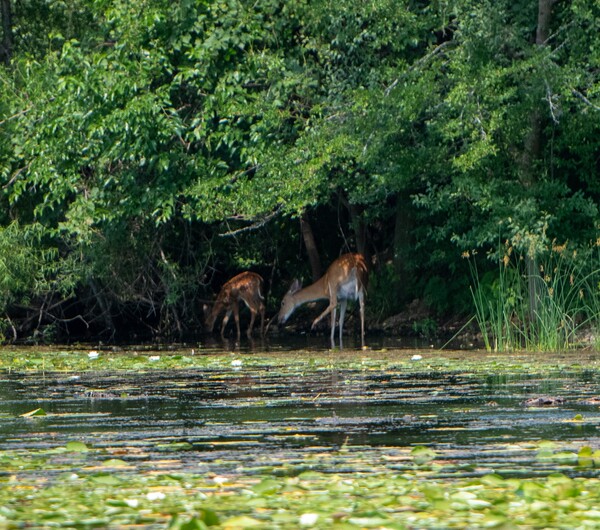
[538, 304]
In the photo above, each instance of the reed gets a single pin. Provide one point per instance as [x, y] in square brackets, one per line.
[544, 307]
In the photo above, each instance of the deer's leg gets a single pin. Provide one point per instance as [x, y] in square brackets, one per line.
[262, 320]
[225, 320]
[333, 314]
[236, 316]
[251, 325]
[343, 305]
[361, 302]
[331, 307]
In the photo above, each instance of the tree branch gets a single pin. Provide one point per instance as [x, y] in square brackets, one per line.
[254, 226]
[418, 63]
[584, 99]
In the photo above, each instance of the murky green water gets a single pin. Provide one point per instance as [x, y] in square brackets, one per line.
[256, 409]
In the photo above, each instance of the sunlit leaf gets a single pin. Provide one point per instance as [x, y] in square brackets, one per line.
[192, 524]
[77, 447]
[209, 517]
[35, 412]
[422, 454]
[241, 521]
[106, 479]
[368, 522]
[115, 462]
[266, 487]
[175, 446]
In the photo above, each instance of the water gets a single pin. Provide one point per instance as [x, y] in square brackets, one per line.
[357, 412]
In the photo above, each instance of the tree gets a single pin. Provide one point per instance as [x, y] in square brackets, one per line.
[157, 149]
[7, 31]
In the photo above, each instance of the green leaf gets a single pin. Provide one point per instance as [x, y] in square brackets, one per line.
[241, 521]
[422, 454]
[193, 524]
[266, 487]
[33, 413]
[369, 520]
[115, 462]
[209, 517]
[175, 446]
[585, 452]
[106, 479]
[77, 447]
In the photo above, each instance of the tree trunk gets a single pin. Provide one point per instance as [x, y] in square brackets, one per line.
[358, 225]
[311, 247]
[402, 237]
[104, 304]
[7, 40]
[360, 231]
[533, 142]
[543, 21]
[532, 152]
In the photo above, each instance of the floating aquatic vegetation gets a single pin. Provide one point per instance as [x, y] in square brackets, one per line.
[298, 440]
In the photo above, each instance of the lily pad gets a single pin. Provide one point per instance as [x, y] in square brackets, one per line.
[77, 447]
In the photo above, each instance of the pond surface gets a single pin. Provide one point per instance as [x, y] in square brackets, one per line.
[256, 410]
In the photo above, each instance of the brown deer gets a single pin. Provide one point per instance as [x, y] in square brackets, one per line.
[247, 287]
[345, 279]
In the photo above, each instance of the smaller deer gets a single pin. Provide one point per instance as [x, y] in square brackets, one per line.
[246, 287]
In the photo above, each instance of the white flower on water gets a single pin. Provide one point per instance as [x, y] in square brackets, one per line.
[93, 354]
[155, 496]
[237, 364]
[308, 519]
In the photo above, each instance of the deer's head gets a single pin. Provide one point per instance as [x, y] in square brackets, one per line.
[288, 304]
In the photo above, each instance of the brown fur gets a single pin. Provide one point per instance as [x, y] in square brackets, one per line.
[246, 287]
[346, 278]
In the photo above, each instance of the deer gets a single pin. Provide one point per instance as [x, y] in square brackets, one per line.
[345, 279]
[247, 287]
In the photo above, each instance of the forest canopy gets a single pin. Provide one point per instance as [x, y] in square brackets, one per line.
[149, 150]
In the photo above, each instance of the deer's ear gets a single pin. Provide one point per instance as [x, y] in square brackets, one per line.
[295, 287]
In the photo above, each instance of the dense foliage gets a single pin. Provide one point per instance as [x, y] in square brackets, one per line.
[148, 151]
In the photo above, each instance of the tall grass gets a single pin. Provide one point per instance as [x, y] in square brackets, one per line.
[544, 305]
